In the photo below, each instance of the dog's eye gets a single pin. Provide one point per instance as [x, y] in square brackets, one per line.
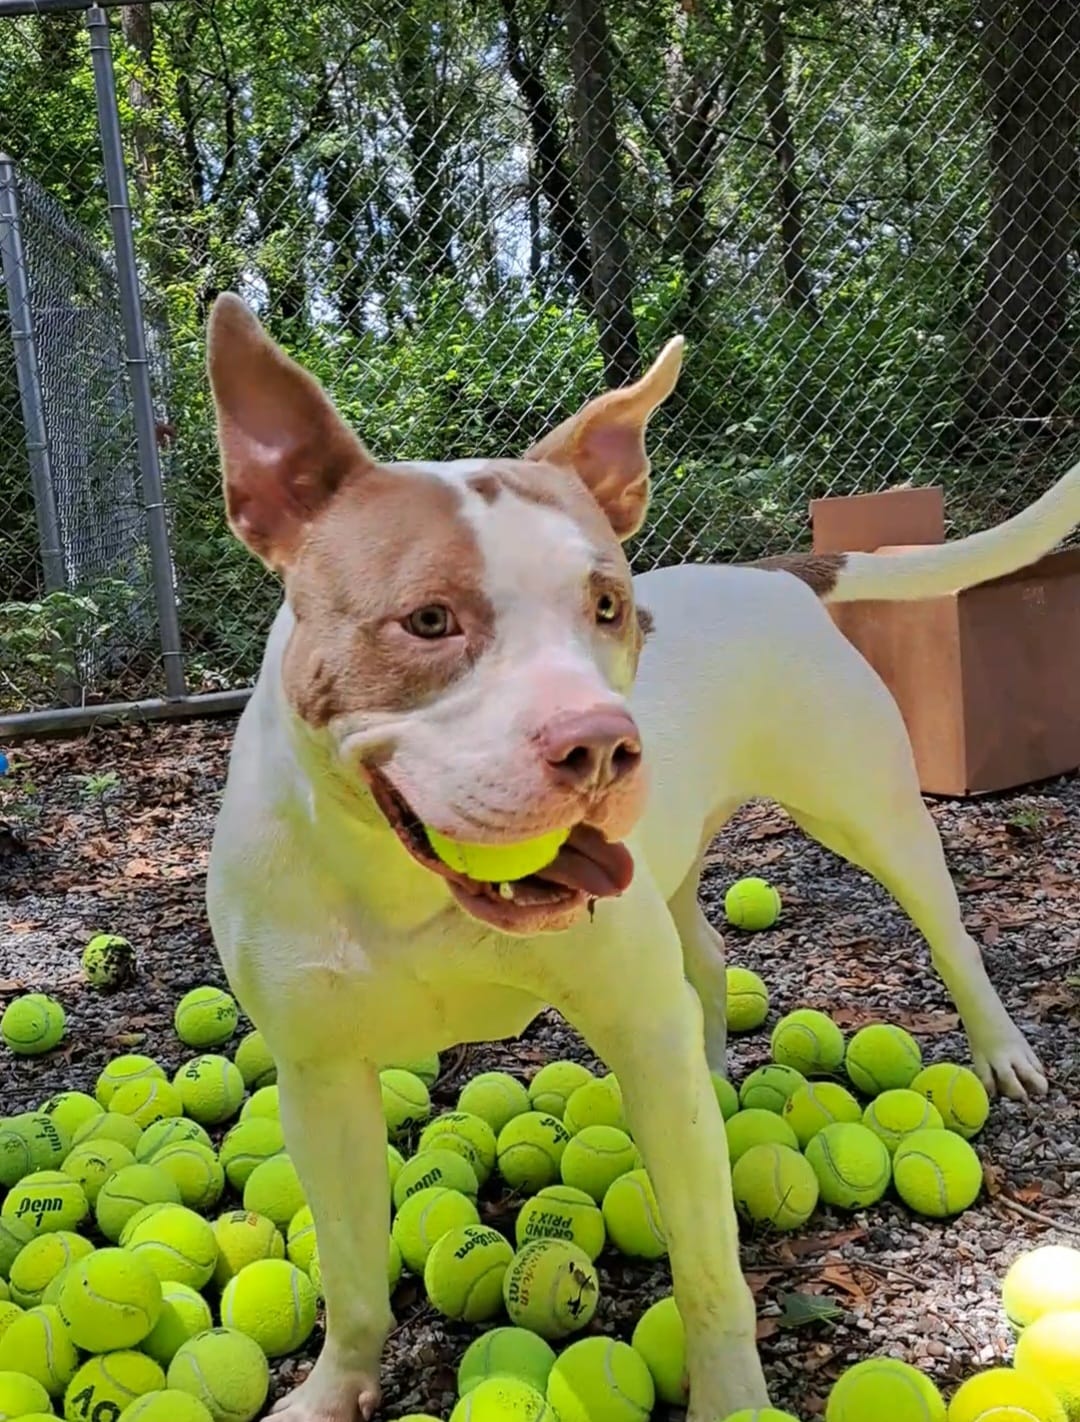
[431, 622]
[609, 608]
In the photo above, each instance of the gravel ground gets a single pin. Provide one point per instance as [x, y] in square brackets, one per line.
[131, 859]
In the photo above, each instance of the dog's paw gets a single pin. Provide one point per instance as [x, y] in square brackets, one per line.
[328, 1395]
[1008, 1064]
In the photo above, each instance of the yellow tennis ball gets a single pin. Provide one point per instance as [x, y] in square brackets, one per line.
[273, 1189]
[205, 1017]
[106, 1384]
[109, 1300]
[895, 1115]
[554, 1084]
[506, 1352]
[747, 1000]
[15, 1154]
[770, 1087]
[1049, 1350]
[176, 1244]
[255, 1062]
[127, 1192]
[1002, 1395]
[211, 1089]
[184, 1315]
[109, 1126]
[242, 1237]
[755, 1127]
[774, 1185]
[808, 1041]
[464, 1273]
[496, 1098]
[530, 1149]
[301, 1241]
[147, 1101]
[93, 1163]
[132, 1066]
[395, 1164]
[601, 1377]
[48, 1200]
[108, 961]
[263, 1102]
[196, 1171]
[595, 1158]
[32, 1024]
[819, 1104]
[597, 1103]
[886, 1388]
[14, 1237]
[752, 904]
[406, 1103]
[937, 1173]
[958, 1094]
[167, 1406]
[503, 1399]
[726, 1095]
[423, 1220]
[37, 1264]
[660, 1339]
[41, 1345]
[21, 1396]
[1045, 1280]
[632, 1217]
[435, 1168]
[497, 863]
[47, 1142]
[70, 1110]
[426, 1068]
[882, 1057]
[227, 1371]
[551, 1288]
[561, 1212]
[273, 1302]
[853, 1166]
[247, 1145]
[470, 1136]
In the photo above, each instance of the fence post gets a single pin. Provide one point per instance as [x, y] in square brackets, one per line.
[127, 274]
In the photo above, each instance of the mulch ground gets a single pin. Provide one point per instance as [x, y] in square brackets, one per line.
[131, 859]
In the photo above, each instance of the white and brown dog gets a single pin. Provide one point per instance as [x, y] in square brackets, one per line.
[459, 647]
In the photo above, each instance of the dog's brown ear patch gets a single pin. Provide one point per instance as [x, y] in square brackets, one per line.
[604, 443]
[285, 450]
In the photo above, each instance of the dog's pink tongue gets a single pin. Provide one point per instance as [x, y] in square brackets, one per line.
[592, 864]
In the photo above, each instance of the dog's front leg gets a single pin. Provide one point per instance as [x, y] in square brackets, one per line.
[331, 1111]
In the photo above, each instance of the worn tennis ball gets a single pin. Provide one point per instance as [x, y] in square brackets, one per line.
[755, 1127]
[496, 1098]
[147, 1101]
[406, 1103]
[110, 1300]
[562, 1212]
[105, 1385]
[301, 1241]
[508, 1353]
[597, 1103]
[127, 1192]
[211, 1089]
[660, 1339]
[808, 1041]
[242, 1237]
[551, 1288]
[264, 1102]
[726, 1095]
[226, 1370]
[16, 1156]
[32, 1024]
[530, 1150]
[273, 1189]
[601, 1377]
[272, 1302]
[1002, 1395]
[595, 1158]
[15, 1235]
[497, 863]
[470, 1136]
[632, 1217]
[205, 1017]
[196, 1171]
[176, 1244]
[423, 1220]
[47, 1143]
[22, 1396]
[1049, 1351]
[184, 1315]
[109, 1126]
[503, 1399]
[752, 904]
[40, 1260]
[1044, 1280]
[431, 1168]
[41, 1345]
[464, 1273]
[885, 1388]
[426, 1068]
[554, 1084]
[747, 1000]
[9, 1312]
[119, 1072]
[167, 1406]
[958, 1094]
[48, 1200]
[819, 1104]
[937, 1173]
[69, 1110]
[882, 1057]
[108, 961]
[769, 1088]
[254, 1062]
[852, 1165]
[774, 1185]
[894, 1115]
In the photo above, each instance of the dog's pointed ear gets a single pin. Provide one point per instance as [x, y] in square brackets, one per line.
[604, 443]
[285, 451]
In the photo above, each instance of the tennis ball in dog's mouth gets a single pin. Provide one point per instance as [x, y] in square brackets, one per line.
[497, 863]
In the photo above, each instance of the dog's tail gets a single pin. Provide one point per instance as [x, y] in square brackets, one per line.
[940, 569]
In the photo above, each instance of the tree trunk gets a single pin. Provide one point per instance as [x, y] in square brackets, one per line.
[601, 197]
[137, 26]
[798, 287]
[1019, 338]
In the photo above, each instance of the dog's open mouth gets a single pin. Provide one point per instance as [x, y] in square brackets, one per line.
[587, 867]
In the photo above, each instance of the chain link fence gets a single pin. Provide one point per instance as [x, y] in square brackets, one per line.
[466, 216]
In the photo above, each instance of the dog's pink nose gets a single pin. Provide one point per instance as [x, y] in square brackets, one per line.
[590, 750]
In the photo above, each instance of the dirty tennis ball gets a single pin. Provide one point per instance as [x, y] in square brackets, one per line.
[108, 961]
[69, 1110]
[551, 1288]
[406, 1103]
[632, 1217]
[1002, 1395]
[9, 1312]
[561, 1212]
[132, 1066]
[39, 1262]
[127, 1192]
[774, 1185]
[109, 1126]
[93, 1163]
[595, 1158]
[808, 1041]
[272, 1302]
[1044, 1280]
[1049, 1350]
[106, 1384]
[242, 1237]
[852, 1165]
[40, 1344]
[205, 1017]
[747, 1000]
[226, 1370]
[496, 1097]
[752, 904]
[431, 1168]
[937, 1173]
[660, 1339]
[529, 1151]
[426, 1068]
[506, 1352]
[211, 1089]
[46, 1142]
[48, 1200]
[263, 1102]
[755, 1127]
[554, 1084]
[958, 1094]
[177, 1246]
[503, 1399]
[254, 1062]
[469, 1135]
[14, 1237]
[819, 1104]
[111, 1299]
[273, 1189]
[21, 1396]
[301, 1242]
[147, 1102]
[167, 1406]
[895, 1115]
[726, 1096]
[882, 1057]
[196, 1171]
[597, 1103]
[423, 1220]
[464, 1273]
[32, 1024]
[884, 1387]
[184, 1315]
[768, 1088]
[497, 863]
[601, 1377]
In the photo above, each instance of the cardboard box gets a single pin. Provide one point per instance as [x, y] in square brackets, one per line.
[987, 680]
